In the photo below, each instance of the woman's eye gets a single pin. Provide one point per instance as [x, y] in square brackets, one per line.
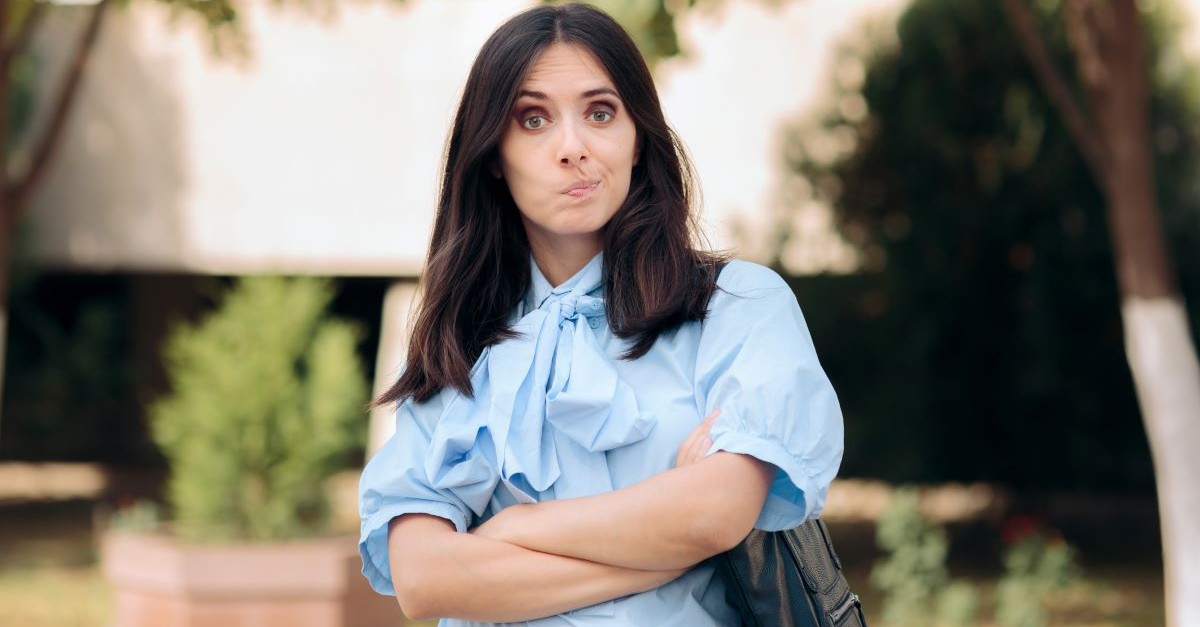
[534, 122]
[601, 116]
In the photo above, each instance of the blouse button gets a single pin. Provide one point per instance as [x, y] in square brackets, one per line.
[594, 323]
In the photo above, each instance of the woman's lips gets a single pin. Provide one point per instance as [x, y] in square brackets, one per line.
[581, 189]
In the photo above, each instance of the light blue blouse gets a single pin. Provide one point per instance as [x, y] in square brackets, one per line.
[556, 414]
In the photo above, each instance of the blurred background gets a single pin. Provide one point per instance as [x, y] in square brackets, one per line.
[942, 207]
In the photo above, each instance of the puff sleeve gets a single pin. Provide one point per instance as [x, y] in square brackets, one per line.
[396, 481]
[757, 364]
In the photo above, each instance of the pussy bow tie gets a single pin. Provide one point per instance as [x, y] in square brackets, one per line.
[546, 400]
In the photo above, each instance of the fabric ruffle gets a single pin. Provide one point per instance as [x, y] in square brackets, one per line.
[546, 400]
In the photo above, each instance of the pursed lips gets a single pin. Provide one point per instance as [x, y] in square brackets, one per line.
[581, 188]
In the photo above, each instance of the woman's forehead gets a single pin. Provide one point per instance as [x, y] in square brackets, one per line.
[566, 70]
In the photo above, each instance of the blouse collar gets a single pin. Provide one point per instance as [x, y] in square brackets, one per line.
[586, 281]
[547, 398]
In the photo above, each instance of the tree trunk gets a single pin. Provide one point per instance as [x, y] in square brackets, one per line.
[6, 212]
[1107, 38]
[1167, 377]
[17, 190]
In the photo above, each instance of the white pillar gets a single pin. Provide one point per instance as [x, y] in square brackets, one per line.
[393, 344]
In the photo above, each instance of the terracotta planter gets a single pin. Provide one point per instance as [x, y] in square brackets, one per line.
[158, 582]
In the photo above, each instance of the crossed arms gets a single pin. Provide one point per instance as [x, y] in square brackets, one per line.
[530, 561]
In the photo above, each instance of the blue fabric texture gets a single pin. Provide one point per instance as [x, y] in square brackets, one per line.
[557, 414]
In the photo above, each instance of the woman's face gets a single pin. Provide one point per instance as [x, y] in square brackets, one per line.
[568, 149]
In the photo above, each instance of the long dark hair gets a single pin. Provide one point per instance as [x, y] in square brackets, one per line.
[477, 268]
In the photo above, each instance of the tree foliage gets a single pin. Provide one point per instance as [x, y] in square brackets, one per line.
[266, 403]
[40, 368]
[70, 377]
[983, 339]
[652, 23]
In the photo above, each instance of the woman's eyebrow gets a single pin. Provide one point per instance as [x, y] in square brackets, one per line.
[591, 93]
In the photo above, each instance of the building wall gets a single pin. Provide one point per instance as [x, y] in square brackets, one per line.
[319, 153]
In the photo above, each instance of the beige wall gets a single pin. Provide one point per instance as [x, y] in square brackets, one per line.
[320, 155]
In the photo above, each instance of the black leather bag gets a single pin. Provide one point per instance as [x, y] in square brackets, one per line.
[789, 578]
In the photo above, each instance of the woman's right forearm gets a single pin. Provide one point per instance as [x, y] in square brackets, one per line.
[439, 572]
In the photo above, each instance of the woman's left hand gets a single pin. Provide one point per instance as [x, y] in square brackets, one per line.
[697, 443]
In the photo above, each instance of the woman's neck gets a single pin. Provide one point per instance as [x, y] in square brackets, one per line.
[562, 259]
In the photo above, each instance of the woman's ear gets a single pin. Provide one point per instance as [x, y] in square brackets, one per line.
[494, 168]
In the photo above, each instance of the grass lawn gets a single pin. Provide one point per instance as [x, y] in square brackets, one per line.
[48, 573]
[53, 595]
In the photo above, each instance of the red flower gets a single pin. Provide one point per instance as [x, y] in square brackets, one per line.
[1018, 527]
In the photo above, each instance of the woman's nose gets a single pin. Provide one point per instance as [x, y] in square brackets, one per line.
[572, 149]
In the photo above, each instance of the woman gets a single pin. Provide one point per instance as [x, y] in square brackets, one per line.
[591, 406]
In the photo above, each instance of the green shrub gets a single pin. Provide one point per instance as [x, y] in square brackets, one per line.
[266, 403]
[915, 568]
[1036, 565]
[916, 585]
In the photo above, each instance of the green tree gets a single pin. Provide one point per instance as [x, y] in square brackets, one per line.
[19, 23]
[651, 23]
[1112, 133]
[989, 217]
[986, 311]
[266, 402]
